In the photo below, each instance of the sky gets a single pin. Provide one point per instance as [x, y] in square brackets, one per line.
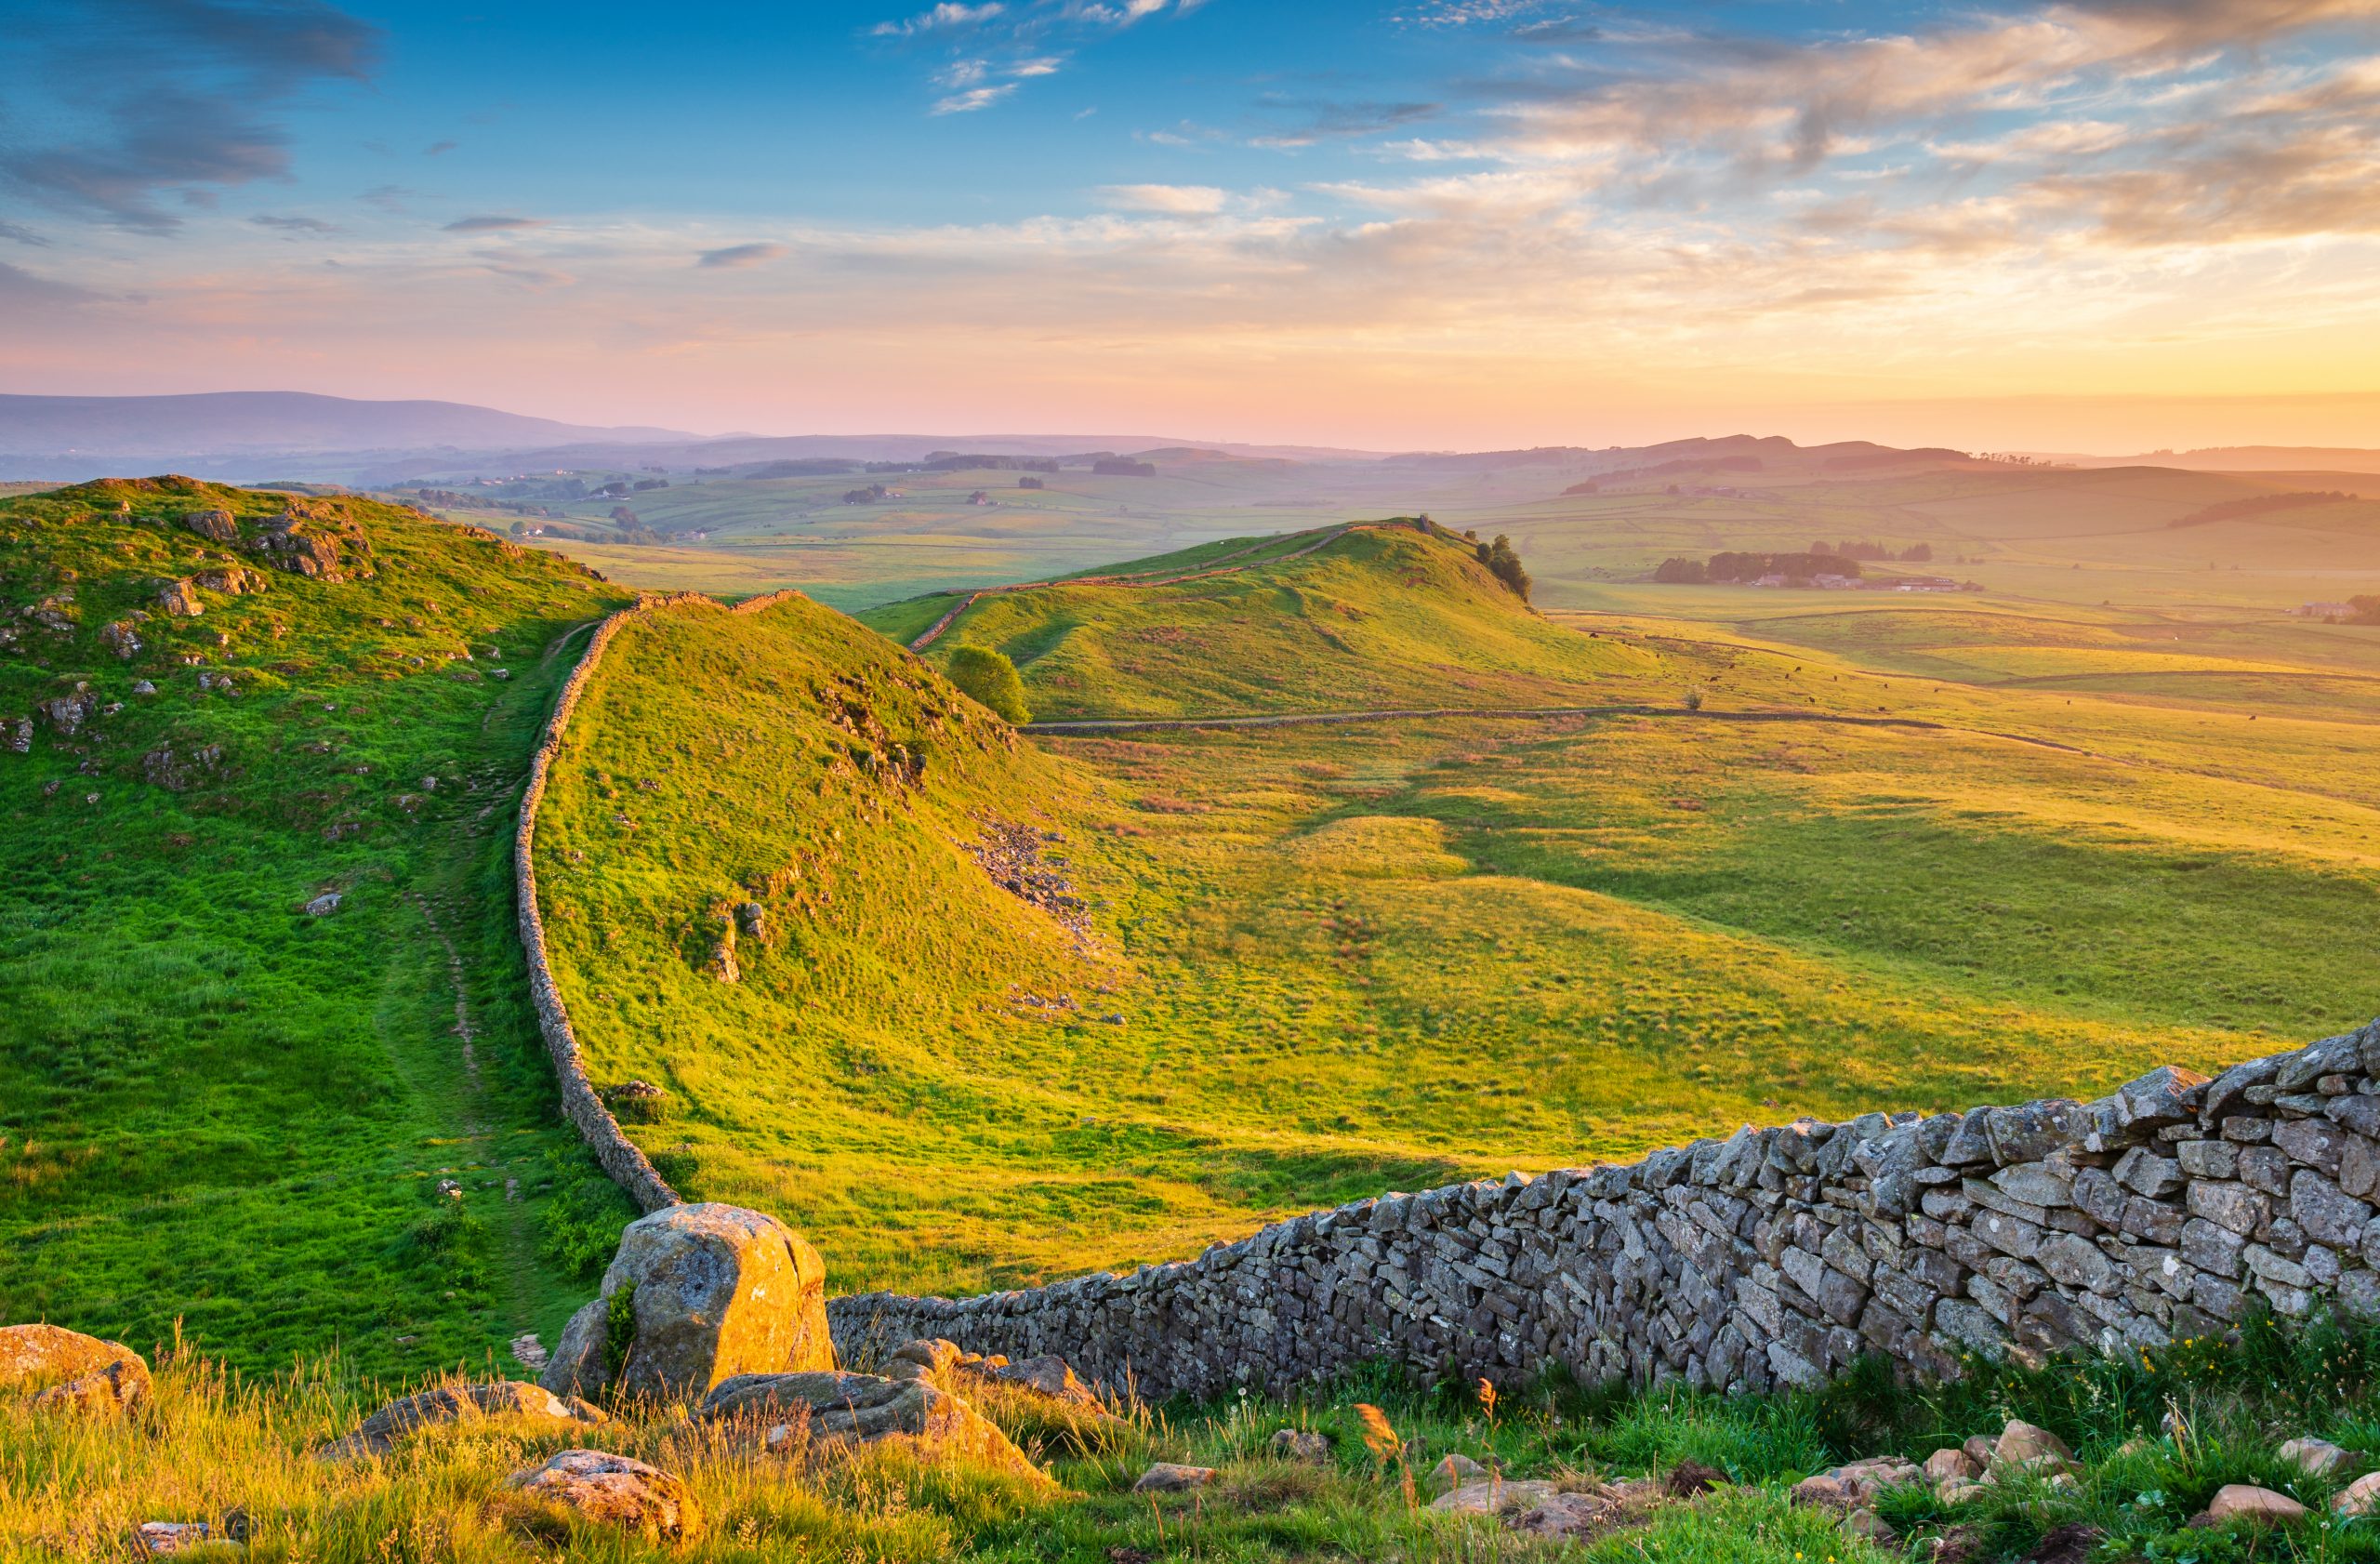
[2099, 225]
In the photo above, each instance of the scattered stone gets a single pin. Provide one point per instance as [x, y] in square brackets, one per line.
[2360, 1497]
[1493, 1496]
[715, 1290]
[324, 905]
[70, 1371]
[1453, 1472]
[164, 1538]
[2022, 1447]
[179, 600]
[513, 1400]
[1304, 1445]
[1952, 1465]
[1046, 1376]
[854, 1410]
[217, 527]
[617, 1489]
[933, 1355]
[2242, 1499]
[2316, 1457]
[1560, 1516]
[527, 1350]
[1849, 1487]
[1167, 1476]
[1868, 1526]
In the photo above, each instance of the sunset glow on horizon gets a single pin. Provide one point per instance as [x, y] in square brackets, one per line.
[2092, 226]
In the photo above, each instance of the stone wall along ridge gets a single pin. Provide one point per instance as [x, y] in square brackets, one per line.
[2170, 1208]
[628, 1167]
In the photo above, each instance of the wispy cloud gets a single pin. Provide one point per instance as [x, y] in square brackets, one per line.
[948, 17]
[492, 222]
[972, 98]
[440, 149]
[1179, 199]
[738, 256]
[293, 224]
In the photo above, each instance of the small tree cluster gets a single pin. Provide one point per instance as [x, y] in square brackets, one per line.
[1504, 565]
[989, 678]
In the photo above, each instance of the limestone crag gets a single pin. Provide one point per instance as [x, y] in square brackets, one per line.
[1773, 1257]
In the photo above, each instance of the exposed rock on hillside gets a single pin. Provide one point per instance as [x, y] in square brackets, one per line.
[616, 1489]
[69, 1371]
[854, 1410]
[712, 1291]
[514, 1400]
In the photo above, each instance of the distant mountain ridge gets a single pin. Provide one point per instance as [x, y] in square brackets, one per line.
[222, 423]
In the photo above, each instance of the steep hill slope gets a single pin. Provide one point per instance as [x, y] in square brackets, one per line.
[792, 878]
[222, 709]
[1335, 619]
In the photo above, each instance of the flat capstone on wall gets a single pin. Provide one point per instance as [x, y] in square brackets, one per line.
[1774, 1257]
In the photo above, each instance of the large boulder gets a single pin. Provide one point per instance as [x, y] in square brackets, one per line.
[514, 1400]
[714, 1292]
[598, 1485]
[863, 1410]
[67, 1371]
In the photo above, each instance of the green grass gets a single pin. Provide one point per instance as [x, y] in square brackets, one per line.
[1348, 959]
[2156, 1436]
[218, 1110]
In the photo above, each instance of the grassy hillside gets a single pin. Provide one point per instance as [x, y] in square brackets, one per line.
[219, 1108]
[1346, 959]
[866, 1052]
[1322, 621]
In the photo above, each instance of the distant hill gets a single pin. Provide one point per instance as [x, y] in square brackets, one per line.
[227, 423]
[2247, 459]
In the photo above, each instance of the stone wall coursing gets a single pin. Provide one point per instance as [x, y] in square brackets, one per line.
[628, 1167]
[1771, 1257]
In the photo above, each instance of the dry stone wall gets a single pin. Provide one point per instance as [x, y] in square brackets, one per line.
[628, 1166]
[1770, 1258]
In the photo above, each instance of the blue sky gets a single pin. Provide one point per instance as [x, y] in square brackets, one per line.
[1366, 222]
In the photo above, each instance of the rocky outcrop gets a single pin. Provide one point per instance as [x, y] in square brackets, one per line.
[614, 1490]
[816, 1410]
[510, 1400]
[69, 1372]
[1773, 1257]
[215, 526]
[709, 1291]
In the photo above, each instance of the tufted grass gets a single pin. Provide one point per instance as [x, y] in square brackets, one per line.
[214, 1441]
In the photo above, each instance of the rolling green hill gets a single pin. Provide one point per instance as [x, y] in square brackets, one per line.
[219, 1108]
[1877, 867]
[1337, 620]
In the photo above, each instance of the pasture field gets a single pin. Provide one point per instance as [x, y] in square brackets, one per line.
[1332, 960]
[214, 1108]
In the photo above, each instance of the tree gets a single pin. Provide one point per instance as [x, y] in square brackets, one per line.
[1678, 570]
[990, 680]
[1505, 564]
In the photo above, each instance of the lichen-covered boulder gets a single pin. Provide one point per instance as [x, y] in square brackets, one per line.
[711, 1291]
[618, 1490]
[513, 1400]
[67, 1371]
[855, 1410]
